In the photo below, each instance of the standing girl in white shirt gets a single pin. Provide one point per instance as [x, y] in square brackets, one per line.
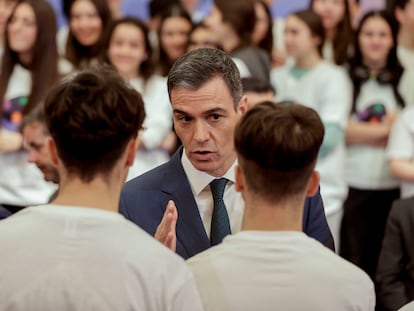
[29, 70]
[129, 51]
[378, 82]
[324, 87]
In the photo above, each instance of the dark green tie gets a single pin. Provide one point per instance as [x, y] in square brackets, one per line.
[220, 224]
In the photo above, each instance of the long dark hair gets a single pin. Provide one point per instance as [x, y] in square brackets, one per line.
[175, 10]
[393, 66]
[75, 51]
[343, 37]
[267, 42]
[43, 66]
[314, 22]
[147, 66]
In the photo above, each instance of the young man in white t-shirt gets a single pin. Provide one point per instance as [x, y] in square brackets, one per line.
[271, 263]
[79, 253]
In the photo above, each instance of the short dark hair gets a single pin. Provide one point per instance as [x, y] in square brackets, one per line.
[277, 146]
[256, 85]
[91, 118]
[197, 67]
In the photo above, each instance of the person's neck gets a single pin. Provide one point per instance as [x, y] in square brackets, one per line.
[97, 194]
[262, 215]
[130, 75]
[330, 34]
[308, 61]
[231, 42]
[374, 66]
[406, 38]
[25, 59]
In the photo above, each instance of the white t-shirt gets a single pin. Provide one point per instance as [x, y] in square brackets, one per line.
[157, 124]
[326, 89]
[367, 166]
[21, 183]
[285, 270]
[401, 145]
[407, 307]
[76, 258]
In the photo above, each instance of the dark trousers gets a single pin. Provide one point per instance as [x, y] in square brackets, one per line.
[363, 226]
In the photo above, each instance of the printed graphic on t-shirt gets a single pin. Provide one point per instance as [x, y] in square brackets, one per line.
[374, 113]
[12, 113]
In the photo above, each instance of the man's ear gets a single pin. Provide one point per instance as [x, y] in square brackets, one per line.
[239, 178]
[242, 107]
[131, 151]
[52, 151]
[313, 184]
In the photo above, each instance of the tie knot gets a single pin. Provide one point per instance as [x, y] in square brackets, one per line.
[217, 188]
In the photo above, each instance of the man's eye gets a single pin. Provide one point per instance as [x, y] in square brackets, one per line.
[215, 117]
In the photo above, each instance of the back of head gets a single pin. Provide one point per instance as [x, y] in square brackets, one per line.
[256, 85]
[92, 117]
[241, 15]
[199, 66]
[277, 146]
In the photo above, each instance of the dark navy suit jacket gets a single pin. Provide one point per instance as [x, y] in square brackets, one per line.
[4, 212]
[144, 199]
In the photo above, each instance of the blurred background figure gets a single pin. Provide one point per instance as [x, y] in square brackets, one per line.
[35, 142]
[336, 20]
[404, 13]
[323, 86]
[173, 37]
[257, 91]
[233, 23]
[82, 42]
[262, 35]
[6, 7]
[202, 37]
[129, 51]
[29, 70]
[381, 89]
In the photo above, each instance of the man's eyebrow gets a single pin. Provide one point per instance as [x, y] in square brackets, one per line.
[215, 110]
[208, 112]
[178, 111]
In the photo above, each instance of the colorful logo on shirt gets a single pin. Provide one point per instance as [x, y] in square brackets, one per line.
[374, 113]
[12, 113]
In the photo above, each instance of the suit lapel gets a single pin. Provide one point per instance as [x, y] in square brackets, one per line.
[190, 229]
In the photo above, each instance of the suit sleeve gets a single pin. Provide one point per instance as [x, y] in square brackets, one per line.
[123, 209]
[315, 224]
[390, 285]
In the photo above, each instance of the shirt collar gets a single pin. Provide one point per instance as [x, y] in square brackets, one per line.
[198, 179]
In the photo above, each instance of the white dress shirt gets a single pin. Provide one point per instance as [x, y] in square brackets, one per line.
[200, 181]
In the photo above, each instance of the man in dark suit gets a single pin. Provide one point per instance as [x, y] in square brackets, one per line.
[207, 101]
[395, 273]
